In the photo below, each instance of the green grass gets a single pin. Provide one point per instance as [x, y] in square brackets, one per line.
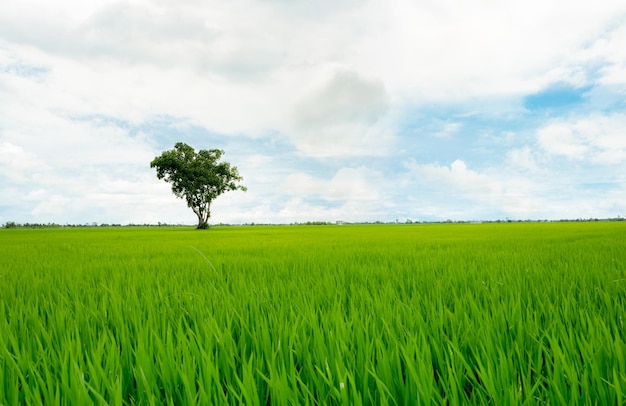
[408, 314]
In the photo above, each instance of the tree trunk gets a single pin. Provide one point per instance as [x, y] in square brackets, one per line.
[203, 220]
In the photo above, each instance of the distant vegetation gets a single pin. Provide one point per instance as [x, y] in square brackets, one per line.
[520, 313]
[13, 224]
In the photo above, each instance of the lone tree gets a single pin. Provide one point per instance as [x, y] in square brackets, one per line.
[197, 177]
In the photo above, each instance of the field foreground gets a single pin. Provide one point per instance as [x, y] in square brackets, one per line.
[382, 314]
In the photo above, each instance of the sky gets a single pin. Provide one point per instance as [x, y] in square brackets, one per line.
[342, 110]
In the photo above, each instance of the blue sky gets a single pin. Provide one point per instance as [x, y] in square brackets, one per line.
[333, 110]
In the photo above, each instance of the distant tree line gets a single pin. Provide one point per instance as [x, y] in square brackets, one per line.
[13, 224]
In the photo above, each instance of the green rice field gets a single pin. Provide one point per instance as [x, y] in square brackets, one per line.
[422, 314]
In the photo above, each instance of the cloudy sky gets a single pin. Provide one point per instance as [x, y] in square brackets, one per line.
[354, 110]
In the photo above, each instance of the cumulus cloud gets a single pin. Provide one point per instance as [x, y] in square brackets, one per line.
[353, 184]
[335, 83]
[345, 97]
[299, 210]
[343, 116]
[503, 48]
[529, 183]
[523, 158]
[241, 66]
[597, 138]
[484, 191]
[18, 165]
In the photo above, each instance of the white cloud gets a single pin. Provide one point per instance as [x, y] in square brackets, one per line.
[596, 138]
[54, 206]
[448, 130]
[345, 97]
[523, 158]
[104, 199]
[609, 52]
[343, 116]
[446, 51]
[18, 165]
[303, 184]
[485, 192]
[345, 139]
[353, 184]
[529, 183]
[299, 210]
[243, 66]
[296, 209]
[335, 80]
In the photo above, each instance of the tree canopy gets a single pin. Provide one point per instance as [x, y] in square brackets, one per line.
[197, 177]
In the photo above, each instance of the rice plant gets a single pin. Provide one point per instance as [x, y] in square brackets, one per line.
[378, 314]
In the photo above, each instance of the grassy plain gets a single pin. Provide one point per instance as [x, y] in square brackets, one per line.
[379, 314]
